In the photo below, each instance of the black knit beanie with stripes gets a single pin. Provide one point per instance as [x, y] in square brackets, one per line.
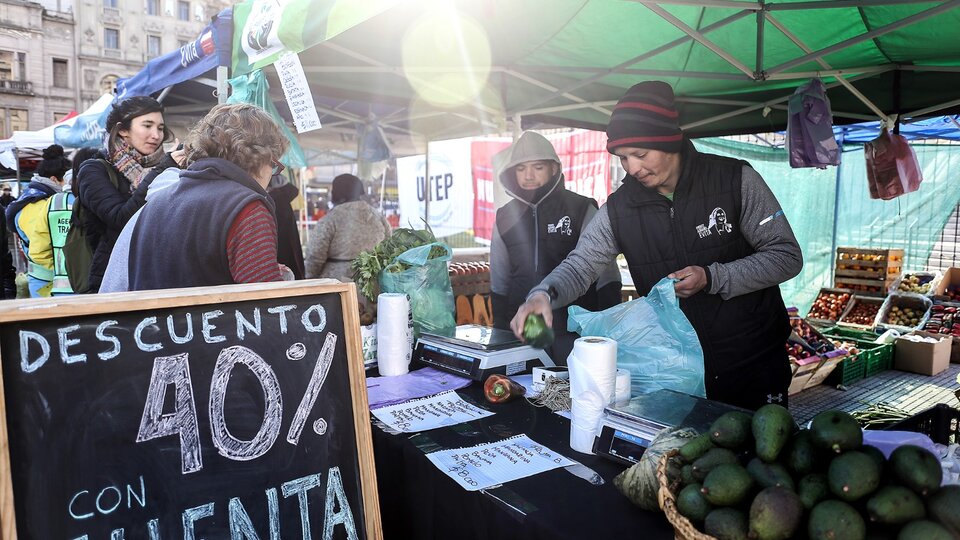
[645, 117]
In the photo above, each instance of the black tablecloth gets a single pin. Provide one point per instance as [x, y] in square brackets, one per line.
[417, 500]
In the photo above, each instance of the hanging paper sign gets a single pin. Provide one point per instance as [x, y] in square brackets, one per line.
[297, 91]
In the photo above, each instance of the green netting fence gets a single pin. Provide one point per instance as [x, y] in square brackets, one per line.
[832, 207]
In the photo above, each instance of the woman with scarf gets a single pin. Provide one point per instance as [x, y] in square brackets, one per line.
[114, 186]
[40, 217]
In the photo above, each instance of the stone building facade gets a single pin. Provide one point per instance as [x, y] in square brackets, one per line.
[61, 55]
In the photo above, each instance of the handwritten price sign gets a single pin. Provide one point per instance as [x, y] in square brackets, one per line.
[297, 91]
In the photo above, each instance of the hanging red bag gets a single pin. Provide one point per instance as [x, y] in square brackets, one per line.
[892, 167]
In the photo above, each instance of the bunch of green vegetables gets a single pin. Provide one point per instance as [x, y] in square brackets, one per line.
[368, 265]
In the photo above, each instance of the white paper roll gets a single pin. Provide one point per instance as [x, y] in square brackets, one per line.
[593, 378]
[622, 392]
[394, 334]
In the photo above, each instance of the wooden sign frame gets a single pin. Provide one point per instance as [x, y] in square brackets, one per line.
[84, 305]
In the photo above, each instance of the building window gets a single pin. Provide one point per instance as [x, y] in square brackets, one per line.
[110, 4]
[153, 46]
[58, 116]
[108, 84]
[183, 10]
[61, 76]
[153, 7]
[13, 66]
[111, 38]
[12, 120]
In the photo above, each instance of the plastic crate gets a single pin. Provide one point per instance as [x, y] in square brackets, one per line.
[851, 369]
[850, 333]
[941, 423]
[879, 356]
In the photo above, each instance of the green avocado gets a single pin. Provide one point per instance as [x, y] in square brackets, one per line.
[853, 475]
[772, 426]
[696, 447]
[727, 484]
[726, 524]
[835, 520]
[769, 474]
[812, 489]
[916, 468]
[924, 530]
[692, 505]
[775, 514]
[894, 505]
[731, 430]
[836, 431]
[713, 457]
[943, 506]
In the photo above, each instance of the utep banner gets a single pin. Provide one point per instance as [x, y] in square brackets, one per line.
[209, 50]
[87, 129]
[450, 188]
[586, 169]
[266, 28]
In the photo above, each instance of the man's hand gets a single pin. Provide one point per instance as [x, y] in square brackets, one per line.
[538, 303]
[692, 280]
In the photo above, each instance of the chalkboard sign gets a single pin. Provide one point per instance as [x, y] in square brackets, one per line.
[236, 412]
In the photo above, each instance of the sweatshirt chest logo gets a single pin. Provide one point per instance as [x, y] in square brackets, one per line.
[717, 223]
[562, 226]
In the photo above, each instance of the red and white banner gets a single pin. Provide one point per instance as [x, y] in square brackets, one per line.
[484, 207]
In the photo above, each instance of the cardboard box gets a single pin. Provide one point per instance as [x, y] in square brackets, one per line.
[955, 346]
[825, 369]
[923, 358]
[802, 373]
[951, 278]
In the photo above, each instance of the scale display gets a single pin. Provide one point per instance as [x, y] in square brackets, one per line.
[478, 351]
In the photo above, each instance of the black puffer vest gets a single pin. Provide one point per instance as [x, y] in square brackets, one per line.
[538, 238]
[700, 227]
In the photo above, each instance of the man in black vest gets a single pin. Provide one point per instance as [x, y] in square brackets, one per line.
[707, 221]
[535, 231]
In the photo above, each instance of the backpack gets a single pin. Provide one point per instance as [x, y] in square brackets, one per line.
[77, 250]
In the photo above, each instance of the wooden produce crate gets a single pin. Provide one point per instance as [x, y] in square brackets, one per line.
[853, 316]
[867, 271]
[829, 305]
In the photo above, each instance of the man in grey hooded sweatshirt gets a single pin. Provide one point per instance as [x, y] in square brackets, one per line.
[535, 231]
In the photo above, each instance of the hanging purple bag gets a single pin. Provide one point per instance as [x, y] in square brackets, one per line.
[810, 140]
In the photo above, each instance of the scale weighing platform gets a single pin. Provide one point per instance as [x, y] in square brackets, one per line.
[628, 429]
[476, 352]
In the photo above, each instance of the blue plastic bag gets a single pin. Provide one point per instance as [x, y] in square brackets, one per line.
[426, 282]
[655, 341]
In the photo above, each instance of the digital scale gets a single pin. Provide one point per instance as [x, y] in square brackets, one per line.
[476, 352]
[627, 430]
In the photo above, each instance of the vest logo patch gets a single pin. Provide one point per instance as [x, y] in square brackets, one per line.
[562, 227]
[717, 223]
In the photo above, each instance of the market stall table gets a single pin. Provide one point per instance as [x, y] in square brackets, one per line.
[417, 500]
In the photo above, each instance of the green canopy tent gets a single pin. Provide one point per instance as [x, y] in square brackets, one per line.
[443, 69]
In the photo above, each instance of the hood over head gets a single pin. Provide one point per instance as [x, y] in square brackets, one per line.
[530, 146]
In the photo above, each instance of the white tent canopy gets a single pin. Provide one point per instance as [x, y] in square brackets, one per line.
[38, 140]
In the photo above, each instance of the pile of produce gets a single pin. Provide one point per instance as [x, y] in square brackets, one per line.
[810, 335]
[952, 293]
[763, 478]
[904, 316]
[368, 265]
[943, 320]
[829, 306]
[849, 261]
[864, 313]
[916, 283]
[797, 352]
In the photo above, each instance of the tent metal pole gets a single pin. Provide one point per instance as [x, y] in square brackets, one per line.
[828, 72]
[759, 62]
[803, 46]
[921, 112]
[222, 89]
[700, 38]
[946, 6]
[426, 185]
[836, 212]
[752, 108]
[707, 3]
[551, 88]
[163, 94]
[617, 69]
[841, 4]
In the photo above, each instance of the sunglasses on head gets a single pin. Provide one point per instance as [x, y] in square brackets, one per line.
[277, 167]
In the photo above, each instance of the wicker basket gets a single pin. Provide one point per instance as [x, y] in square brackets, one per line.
[682, 528]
